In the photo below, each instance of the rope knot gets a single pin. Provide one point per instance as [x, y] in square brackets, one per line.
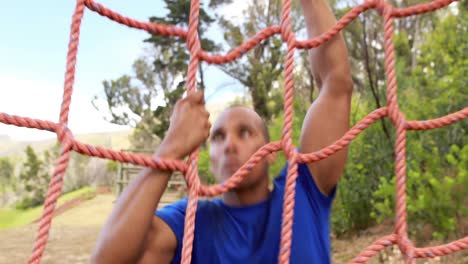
[292, 155]
[397, 117]
[286, 33]
[64, 134]
[380, 6]
[406, 248]
[287, 146]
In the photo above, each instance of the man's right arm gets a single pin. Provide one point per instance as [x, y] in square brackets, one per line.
[132, 234]
[132, 226]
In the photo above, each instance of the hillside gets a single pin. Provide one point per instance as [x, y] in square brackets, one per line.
[115, 140]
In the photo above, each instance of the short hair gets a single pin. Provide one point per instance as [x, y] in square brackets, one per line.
[264, 127]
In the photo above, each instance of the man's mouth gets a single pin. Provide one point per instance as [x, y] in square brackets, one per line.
[232, 164]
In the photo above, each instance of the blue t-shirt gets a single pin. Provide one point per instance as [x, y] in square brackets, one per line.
[252, 234]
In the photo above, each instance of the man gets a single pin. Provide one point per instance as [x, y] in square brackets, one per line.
[245, 224]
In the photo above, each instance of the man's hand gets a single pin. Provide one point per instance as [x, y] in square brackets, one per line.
[189, 127]
[132, 234]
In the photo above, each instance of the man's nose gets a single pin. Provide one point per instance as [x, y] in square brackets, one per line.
[230, 144]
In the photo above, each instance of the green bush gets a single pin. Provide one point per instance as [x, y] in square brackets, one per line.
[435, 195]
[33, 180]
[275, 129]
[369, 158]
[26, 203]
[436, 159]
[204, 167]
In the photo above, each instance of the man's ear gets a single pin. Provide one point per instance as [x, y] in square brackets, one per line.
[271, 158]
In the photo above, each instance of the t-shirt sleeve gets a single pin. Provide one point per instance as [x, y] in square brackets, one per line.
[174, 215]
[307, 183]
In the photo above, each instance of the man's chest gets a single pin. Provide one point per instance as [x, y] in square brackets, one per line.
[226, 240]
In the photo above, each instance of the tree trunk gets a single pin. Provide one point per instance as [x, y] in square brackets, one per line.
[372, 84]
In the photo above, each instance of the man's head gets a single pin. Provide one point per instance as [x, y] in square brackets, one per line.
[237, 134]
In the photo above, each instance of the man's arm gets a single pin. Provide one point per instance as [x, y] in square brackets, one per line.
[131, 224]
[132, 234]
[328, 117]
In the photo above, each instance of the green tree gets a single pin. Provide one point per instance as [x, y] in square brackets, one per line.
[261, 69]
[371, 155]
[440, 79]
[145, 100]
[6, 171]
[172, 53]
[33, 177]
[436, 158]
[6, 175]
[436, 199]
[79, 175]
[133, 100]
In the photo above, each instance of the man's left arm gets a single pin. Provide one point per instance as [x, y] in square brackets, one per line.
[328, 117]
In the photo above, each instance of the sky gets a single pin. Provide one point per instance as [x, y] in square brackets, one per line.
[33, 46]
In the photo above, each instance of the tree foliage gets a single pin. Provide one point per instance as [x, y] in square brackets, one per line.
[6, 171]
[78, 175]
[33, 178]
[260, 70]
[146, 99]
[436, 159]
[133, 100]
[6, 176]
[431, 82]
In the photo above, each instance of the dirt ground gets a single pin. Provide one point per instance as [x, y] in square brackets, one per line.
[344, 250]
[74, 233]
[72, 237]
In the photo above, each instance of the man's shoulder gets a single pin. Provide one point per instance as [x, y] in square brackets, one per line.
[208, 205]
[306, 183]
[302, 170]
[204, 205]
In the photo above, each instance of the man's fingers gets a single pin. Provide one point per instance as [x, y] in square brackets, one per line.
[208, 125]
[202, 97]
[197, 97]
[207, 129]
[206, 113]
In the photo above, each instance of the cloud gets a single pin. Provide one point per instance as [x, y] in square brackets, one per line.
[235, 10]
[42, 99]
[28, 98]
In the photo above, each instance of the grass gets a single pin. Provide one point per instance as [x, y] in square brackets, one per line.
[12, 217]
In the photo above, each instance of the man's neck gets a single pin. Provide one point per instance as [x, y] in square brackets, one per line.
[248, 196]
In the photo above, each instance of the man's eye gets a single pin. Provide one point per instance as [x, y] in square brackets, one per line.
[245, 133]
[217, 137]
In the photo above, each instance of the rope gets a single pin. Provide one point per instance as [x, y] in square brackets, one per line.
[189, 167]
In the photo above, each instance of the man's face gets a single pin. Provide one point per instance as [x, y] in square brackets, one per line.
[237, 134]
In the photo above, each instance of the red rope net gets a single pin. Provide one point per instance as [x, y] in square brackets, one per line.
[189, 168]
